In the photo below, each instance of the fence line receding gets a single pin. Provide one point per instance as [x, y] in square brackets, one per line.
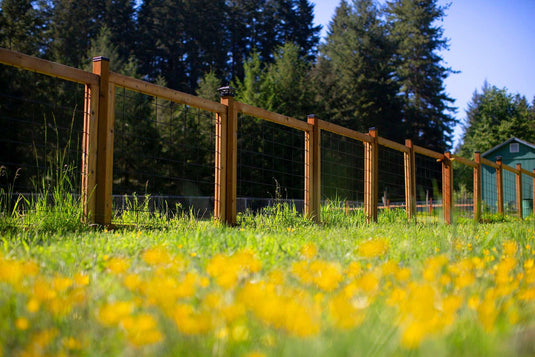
[208, 160]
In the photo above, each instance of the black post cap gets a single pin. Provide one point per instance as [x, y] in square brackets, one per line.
[227, 91]
[100, 58]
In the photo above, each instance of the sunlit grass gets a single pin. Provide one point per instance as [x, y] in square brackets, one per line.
[267, 289]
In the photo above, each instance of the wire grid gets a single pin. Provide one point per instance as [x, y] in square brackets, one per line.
[40, 142]
[342, 170]
[463, 199]
[428, 188]
[527, 195]
[509, 193]
[391, 178]
[489, 191]
[163, 157]
[270, 164]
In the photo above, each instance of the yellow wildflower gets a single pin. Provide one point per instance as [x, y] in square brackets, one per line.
[344, 313]
[353, 270]
[32, 305]
[510, 248]
[71, 343]
[239, 333]
[413, 335]
[117, 265]
[372, 248]
[157, 256]
[22, 323]
[255, 354]
[81, 279]
[309, 251]
[111, 314]
[142, 330]
[228, 270]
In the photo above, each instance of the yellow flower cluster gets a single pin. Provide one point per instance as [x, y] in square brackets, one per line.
[230, 298]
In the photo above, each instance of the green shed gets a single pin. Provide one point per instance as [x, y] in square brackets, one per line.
[513, 151]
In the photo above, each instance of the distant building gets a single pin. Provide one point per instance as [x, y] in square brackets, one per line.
[513, 151]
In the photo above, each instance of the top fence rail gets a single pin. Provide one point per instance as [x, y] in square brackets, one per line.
[97, 146]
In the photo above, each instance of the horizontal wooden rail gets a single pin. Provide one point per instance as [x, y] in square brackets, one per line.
[272, 117]
[489, 163]
[510, 169]
[426, 152]
[464, 161]
[42, 66]
[393, 145]
[340, 130]
[155, 90]
[529, 173]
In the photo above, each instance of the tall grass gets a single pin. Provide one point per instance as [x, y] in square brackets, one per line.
[79, 279]
[53, 206]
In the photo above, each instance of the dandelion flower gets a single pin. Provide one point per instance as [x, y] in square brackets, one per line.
[372, 248]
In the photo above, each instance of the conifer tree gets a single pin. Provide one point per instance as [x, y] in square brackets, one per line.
[354, 72]
[22, 25]
[420, 73]
[286, 85]
[74, 24]
[493, 116]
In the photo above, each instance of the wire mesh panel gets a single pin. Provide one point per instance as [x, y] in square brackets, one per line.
[342, 170]
[391, 186]
[509, 193]
[270, 164]
[40, 142]
[163, 157]
[489, 191]
[428, 188]
[527, 195]
[463, 197]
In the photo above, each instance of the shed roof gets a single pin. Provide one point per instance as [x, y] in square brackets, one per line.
[532, 146]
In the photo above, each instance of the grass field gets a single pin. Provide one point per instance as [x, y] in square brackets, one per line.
[276, 285]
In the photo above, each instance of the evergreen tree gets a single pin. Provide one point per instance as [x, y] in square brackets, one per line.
[208, 87]
[420, 73]
[74, 24]
[263, 26]
[247, 33]
[206, 39]
[295, 24]
[249, 89]
[160, 48]
[119, 17]
[103, 45]
[354, 71]
[285, 84]
[22, 25]
[493, 116]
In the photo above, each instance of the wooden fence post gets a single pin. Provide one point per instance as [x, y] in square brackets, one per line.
[104, 173]
[499, 184]
[410, 180]
[89, 153]
[447, 188]
[371, 163]
[220, 190]
[313, 170]
[230, 155]
[477, 187]
[519, 190]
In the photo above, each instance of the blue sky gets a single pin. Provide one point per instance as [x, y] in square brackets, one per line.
[491, 40]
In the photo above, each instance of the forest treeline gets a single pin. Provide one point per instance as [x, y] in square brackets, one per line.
[379, 65]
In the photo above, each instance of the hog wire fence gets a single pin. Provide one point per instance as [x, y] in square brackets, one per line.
[128, 150]
[41, 138]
